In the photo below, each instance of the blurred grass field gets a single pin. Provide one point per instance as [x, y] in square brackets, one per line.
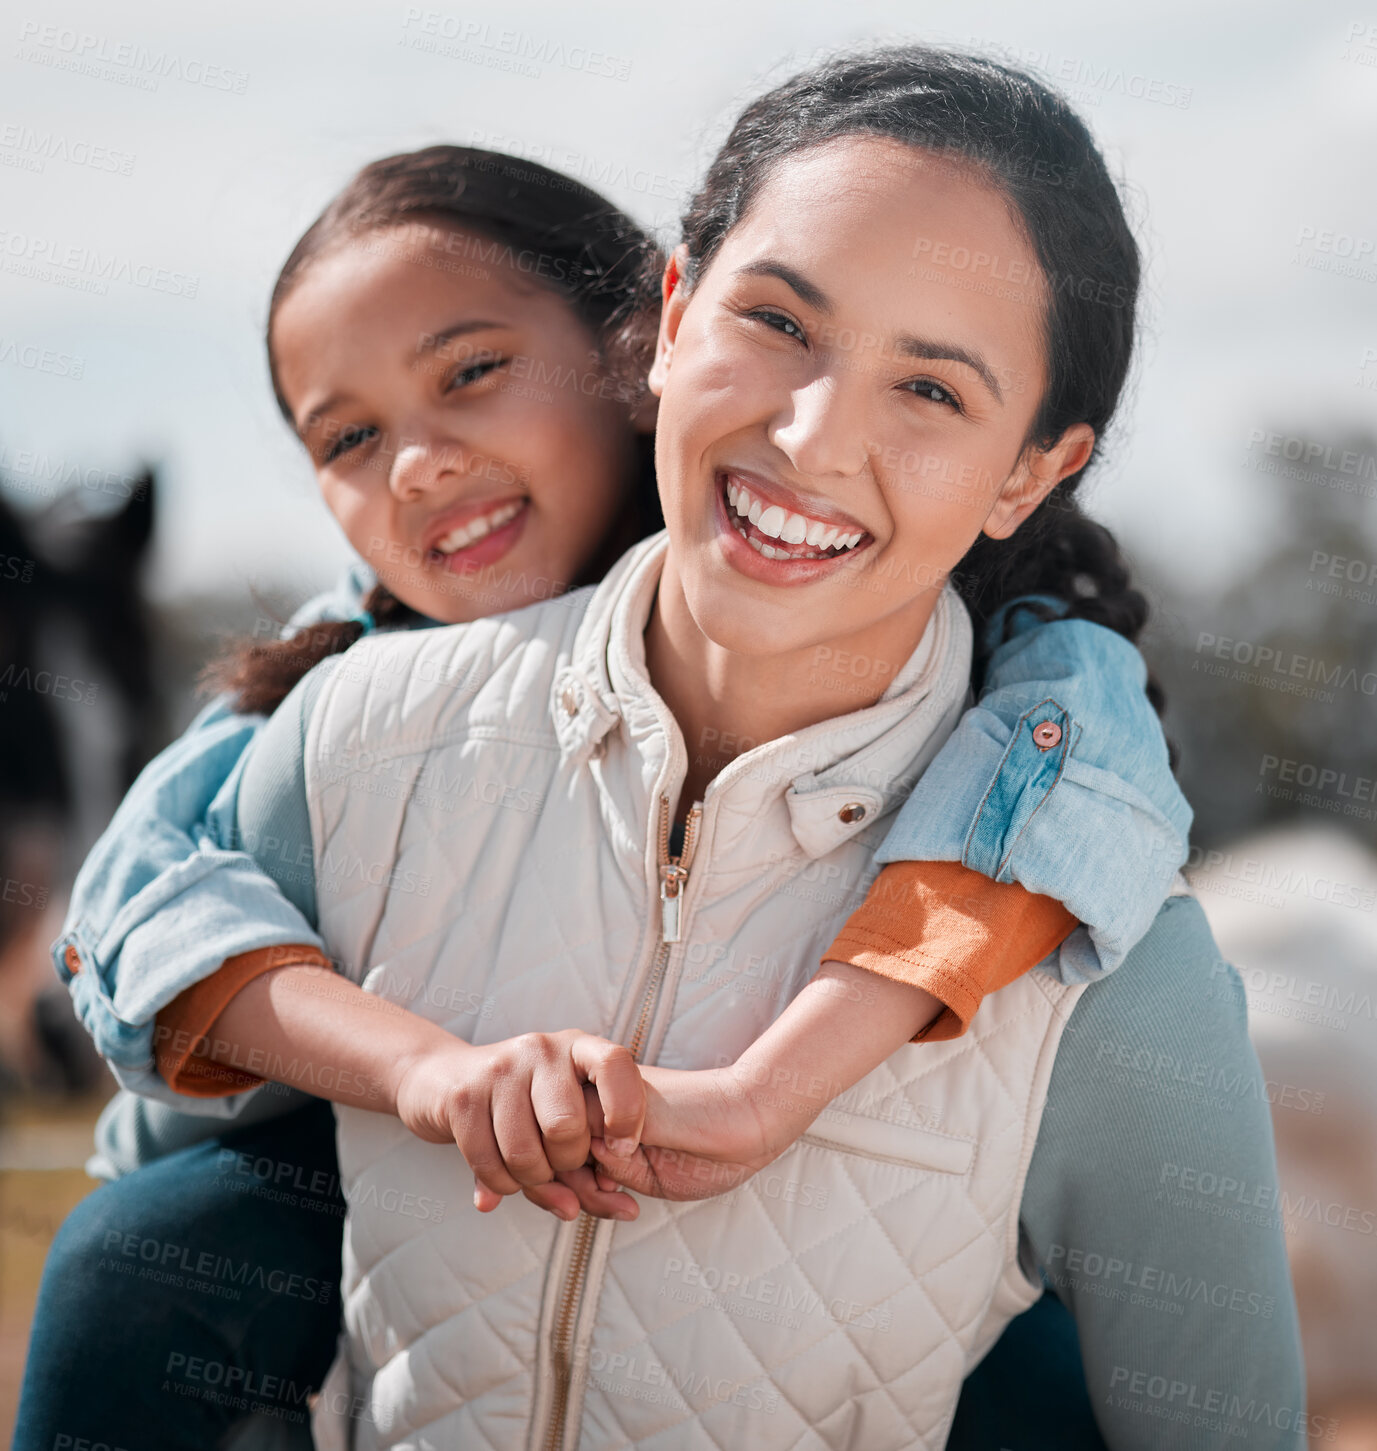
[43, 1144]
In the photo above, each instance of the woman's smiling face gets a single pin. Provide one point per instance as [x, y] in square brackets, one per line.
[463, 428]
[840, 418]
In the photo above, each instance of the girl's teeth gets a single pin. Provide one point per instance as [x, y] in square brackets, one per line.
[815, 533]
[755, 512]
[477, 529]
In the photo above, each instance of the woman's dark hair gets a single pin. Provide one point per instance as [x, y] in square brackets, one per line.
[1029, 143]
[547, 224]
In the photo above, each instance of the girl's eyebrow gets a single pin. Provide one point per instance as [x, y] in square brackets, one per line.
[905, 344]
[429, 343]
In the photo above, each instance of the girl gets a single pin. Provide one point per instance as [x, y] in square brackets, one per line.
[801, 364]
[380, 246]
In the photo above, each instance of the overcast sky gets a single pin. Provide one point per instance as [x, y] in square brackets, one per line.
[207, 168]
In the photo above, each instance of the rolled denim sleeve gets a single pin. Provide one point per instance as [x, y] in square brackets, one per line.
[1058, 779]
[165, 897]
[170, 891]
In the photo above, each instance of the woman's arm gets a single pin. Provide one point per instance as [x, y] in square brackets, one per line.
[1153, 1210]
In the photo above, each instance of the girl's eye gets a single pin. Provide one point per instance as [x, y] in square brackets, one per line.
[475, 371]
[934, 392]
[780, 321]
[350, 437]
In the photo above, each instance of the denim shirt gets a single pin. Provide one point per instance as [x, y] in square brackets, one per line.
[1093, 818]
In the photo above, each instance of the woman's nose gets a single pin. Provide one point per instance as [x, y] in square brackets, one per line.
[822, 428]
[422, 465]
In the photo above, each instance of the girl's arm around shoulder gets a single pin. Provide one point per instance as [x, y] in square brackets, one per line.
[166, 894]
[1058, 780]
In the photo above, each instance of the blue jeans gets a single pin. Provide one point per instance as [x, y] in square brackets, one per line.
[195, 1302]
[192, 1295]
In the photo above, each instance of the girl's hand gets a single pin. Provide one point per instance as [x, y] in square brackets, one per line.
[706, 1133]
[516, 1111]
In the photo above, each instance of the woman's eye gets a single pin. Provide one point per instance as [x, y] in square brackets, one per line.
[467, 376]
[350, 437]
[934, 392]
[780, 321]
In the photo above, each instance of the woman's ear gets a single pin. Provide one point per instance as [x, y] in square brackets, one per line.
[673, 301]
[1035, 475]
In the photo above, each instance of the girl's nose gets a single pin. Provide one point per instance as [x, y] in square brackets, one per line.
[822, 428]
[420, 466]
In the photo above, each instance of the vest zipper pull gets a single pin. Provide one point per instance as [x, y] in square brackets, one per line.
[672, 878]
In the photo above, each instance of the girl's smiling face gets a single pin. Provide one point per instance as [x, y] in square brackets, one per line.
[840, 418]
[463, 427]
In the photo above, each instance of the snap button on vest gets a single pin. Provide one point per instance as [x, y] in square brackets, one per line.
[852, 811]
[1047, 735]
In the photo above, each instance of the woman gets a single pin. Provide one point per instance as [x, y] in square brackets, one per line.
[806, 366]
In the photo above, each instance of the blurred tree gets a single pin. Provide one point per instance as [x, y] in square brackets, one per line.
[1277, 677]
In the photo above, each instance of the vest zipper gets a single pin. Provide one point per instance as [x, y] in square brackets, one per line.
[674, 872]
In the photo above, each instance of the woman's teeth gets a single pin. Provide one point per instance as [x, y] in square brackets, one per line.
[477, 529]
[777, 523]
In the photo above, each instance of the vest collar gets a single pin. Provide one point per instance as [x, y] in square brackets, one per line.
[836, 777]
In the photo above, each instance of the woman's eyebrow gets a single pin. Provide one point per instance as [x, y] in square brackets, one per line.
[911, 347]
[905, 345]
[809, 292]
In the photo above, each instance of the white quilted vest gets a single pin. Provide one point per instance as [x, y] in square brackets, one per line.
[486, 808]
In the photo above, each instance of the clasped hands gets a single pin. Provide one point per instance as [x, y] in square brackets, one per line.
[571, 1121]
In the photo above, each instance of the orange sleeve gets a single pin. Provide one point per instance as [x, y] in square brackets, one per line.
[952, 931]
[182, 1027]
